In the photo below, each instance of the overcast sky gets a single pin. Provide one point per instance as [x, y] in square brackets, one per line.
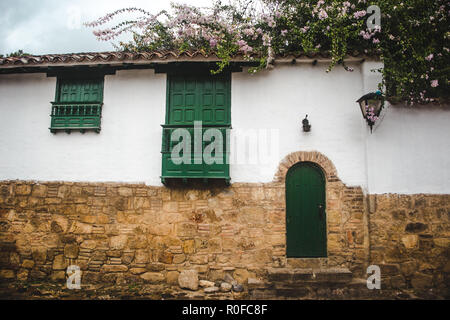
[55, 26]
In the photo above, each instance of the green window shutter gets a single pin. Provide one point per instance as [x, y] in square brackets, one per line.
[78, 105]
[80, 91]
[204, 98]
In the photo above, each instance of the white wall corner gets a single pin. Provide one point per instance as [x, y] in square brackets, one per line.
[371, 77]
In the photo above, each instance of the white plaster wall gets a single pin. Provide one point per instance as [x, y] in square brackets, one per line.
[407, 152]
[281, 98]
[409, 149]
[127, 149]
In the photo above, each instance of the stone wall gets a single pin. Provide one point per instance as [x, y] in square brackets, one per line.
[410, 240]
[119, 233]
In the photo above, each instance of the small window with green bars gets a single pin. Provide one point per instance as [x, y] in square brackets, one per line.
[78, 105]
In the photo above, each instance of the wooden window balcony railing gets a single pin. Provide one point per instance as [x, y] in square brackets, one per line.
[194, 169]
[76, 116]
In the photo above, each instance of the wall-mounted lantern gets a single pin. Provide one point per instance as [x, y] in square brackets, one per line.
[371, 105]
[306, 125]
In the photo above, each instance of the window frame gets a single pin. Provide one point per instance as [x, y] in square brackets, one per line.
[76, 115]
[205, 175]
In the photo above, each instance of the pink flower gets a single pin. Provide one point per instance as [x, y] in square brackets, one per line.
[359, 14]
[266, 40]
[213, 43]
[322, 14]
[434, 83]
[283, 32]
[304, 29]
[375, 40]
[249, 32]
[246, 49]
[371, 115]
[365, 35]
[429, 58]
[241, 43]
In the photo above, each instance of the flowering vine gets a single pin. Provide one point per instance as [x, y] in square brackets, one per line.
[371, 116]
[412, 40]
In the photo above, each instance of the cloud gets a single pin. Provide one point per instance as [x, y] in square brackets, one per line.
[55, 26]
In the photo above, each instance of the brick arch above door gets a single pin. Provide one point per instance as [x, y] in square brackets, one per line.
[344, 212]
[311, 156]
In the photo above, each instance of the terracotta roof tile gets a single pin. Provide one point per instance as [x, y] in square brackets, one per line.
[129, 57]
[90, 57]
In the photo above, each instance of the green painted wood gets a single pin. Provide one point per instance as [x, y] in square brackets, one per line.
[81, 91]
[192, 98]
[195, 98]
[305, 212]
[75, 116]
[203, 170]
[78, 105]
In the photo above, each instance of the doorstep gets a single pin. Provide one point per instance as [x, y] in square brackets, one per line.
[309, 275]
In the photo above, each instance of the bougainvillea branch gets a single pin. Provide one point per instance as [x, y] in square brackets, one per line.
[412, 40]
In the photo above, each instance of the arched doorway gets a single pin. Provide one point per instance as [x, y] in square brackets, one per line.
[306, 225]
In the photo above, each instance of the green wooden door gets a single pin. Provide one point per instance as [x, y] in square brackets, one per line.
[305, 212]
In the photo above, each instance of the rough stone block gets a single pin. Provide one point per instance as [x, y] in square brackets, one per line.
[27, 264]
[172, 277]
[153, 277]
[410, 241]
[189, 246]
[39, 191]
[114, 268]
[71, 251]
[206, 283]
[165, 257]
[138, 270]
[59, 263]
[39, 255]
[125, 192]
[7, 274]
[225, 287]
[23, 190]
[421, 281]
[211, 290]
[188, 279]
[118, 242]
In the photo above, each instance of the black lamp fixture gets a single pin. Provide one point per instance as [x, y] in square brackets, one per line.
[306, 125]
[371, 105]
